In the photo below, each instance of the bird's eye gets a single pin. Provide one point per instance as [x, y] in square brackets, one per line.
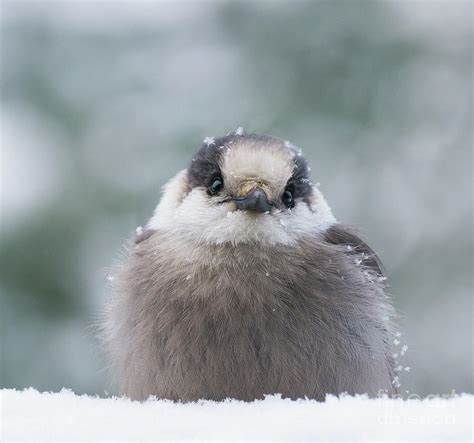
[287, 198]
[217, 183]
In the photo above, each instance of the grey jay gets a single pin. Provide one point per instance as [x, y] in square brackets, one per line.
[243, 284]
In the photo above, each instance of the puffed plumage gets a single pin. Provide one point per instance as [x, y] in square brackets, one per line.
[215, 301]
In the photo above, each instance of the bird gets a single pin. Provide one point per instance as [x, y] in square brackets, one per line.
[243, 284]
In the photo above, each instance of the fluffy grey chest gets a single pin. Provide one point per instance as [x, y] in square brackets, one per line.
[244, 321]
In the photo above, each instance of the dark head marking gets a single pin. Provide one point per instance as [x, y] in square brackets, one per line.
[205, 166]
[300, 182]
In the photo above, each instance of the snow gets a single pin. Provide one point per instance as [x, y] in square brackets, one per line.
[31, 415]
[396, 381]
[293, 147]
[209, 141]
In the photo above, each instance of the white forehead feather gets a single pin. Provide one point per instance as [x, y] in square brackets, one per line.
[251, 160]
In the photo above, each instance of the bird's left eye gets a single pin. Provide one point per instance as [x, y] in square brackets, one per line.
[217, 183]
[287, 198]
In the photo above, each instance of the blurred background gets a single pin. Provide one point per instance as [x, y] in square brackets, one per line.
[101, 103]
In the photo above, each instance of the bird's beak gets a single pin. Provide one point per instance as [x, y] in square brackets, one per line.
[255, 200]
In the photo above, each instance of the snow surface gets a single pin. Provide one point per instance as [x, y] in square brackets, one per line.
[31, 415]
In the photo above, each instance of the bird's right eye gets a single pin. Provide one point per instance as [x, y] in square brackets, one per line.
[288, 198]
[217, 183]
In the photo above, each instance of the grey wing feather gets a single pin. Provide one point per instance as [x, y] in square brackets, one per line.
[340, 234]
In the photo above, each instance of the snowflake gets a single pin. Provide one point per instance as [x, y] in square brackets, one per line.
[139, 230]
[396, 341]
[368, 276]
[110, 278]
[293, 147]
[239, 131]
[404, 350]
[209, 141]
[398, 334]
[407, 369]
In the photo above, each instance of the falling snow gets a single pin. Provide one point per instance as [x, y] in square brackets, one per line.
[239, 131]
[291, 146]
[209, 141]
[139, 230]
[368, 276]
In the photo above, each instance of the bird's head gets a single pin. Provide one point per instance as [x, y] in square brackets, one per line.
[243, 188]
